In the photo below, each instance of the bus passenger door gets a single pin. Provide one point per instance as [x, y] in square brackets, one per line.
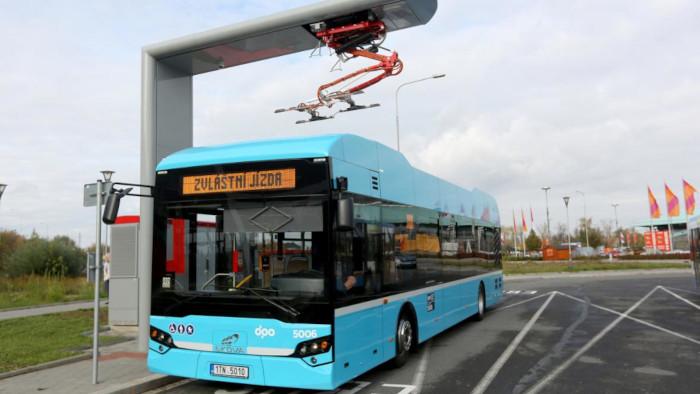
[358, 332]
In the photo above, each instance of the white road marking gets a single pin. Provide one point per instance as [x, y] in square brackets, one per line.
[646, 323]
[405, 388]
[222, 391]
[171, 386]
[536, 388]
[682, 290]
[417, 382]
[694, 305]
[360, 386]
[496, 367]
[522, 302]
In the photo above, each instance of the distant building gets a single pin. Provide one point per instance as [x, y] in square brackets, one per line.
[679, 230]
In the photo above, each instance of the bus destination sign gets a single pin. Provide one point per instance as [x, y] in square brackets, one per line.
[239, 182]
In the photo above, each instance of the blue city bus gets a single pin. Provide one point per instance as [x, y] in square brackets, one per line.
[305, 262]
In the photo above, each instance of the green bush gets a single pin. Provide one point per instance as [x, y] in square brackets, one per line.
[37, 256]
[9, 242]
[37, 290]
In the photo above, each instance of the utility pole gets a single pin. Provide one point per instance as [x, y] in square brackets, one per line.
[107, 175]
[568, 231]
[546, 199]
[585, 218]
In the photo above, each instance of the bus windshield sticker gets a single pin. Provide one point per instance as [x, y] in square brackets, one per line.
[240, 182]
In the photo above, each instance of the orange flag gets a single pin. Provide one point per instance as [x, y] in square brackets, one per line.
[654, 210]
[522, 213]
[673, 206]
[689, 197]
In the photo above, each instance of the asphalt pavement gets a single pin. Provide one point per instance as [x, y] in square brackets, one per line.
[598, 333]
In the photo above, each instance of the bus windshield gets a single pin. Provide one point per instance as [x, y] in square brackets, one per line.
[260, 249]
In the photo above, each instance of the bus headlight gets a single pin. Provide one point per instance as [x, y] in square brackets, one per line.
[313, 347]
[161, 337]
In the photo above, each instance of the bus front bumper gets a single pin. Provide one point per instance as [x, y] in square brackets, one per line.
[274, 371]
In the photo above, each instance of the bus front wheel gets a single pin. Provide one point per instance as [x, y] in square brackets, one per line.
[405, 339]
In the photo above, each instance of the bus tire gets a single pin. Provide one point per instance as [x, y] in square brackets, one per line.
[405, 339]
[481, 303]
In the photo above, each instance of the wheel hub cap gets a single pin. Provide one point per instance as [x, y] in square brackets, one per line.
[405, 334]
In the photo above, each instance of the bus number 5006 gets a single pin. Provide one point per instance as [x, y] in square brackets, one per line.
[304, 334]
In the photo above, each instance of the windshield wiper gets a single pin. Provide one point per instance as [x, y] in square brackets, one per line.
[285, 308]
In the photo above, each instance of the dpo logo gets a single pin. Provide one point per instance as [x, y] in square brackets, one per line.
[263, 332]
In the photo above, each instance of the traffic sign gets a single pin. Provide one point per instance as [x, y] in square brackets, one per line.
[90, 193]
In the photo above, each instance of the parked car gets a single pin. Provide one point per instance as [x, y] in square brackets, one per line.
[405, 261]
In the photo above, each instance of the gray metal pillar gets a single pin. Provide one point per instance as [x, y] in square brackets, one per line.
[166, 127]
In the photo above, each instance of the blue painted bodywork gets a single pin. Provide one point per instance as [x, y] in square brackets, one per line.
[197, 351]
[363, 334]
[358, 159]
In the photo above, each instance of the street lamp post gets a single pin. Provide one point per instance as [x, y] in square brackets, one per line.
[396, 97]
[617, 225]
[585, 218]
[568, 231]
[107, 175]
[2, 189]
[546, 199]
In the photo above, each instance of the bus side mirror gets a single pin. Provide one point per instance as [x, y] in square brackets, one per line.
[346, 217]
[111, 210]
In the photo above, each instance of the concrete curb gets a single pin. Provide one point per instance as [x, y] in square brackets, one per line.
[141, 385]
[50, 364]
[601, 273]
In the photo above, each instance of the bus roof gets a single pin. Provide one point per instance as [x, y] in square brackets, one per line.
[361, 160]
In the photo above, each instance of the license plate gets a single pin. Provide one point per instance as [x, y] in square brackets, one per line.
[232, 371]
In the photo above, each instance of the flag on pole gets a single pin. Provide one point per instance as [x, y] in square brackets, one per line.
[515, 224]
[654, 210]
[522, 213]
[689, 196]
[673, 206]
[532, 218]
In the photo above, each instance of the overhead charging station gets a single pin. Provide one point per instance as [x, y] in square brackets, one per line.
[166, 86]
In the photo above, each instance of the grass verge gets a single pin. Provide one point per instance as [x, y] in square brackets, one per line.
[34, 340]
[510, 268]
[37, 290]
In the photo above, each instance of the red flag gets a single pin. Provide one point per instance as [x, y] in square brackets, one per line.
[524, 223]
[673, 206]
[654, 210]
[515, 224]
[689, 197]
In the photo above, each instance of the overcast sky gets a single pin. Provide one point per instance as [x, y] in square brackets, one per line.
[589, 95]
